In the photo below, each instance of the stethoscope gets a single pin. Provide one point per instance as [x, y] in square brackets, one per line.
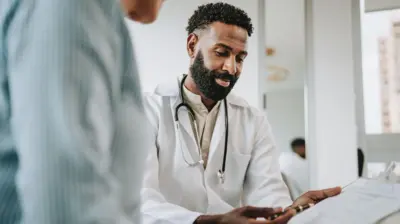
[221, 172]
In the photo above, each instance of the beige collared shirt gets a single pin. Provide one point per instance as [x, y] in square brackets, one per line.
[205, 121]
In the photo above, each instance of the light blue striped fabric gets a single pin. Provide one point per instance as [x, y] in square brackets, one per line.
[73, 134]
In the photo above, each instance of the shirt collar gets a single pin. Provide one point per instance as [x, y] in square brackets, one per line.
[194, 100]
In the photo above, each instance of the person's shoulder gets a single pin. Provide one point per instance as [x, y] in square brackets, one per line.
[151, 97]
[163, 89]
[152, 101]
[158, 96]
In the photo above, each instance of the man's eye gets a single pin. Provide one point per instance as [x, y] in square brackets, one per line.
[221, 54]
[240, 58]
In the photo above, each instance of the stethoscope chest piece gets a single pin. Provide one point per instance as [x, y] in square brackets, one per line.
[221, 176]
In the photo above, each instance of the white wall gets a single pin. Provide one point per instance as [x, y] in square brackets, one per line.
[285, 33]
[330, 96]
[285, 112]
[383, 148]
[161, 47]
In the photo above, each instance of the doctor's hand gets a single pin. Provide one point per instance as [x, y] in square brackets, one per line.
[313, 197]
[246, 215]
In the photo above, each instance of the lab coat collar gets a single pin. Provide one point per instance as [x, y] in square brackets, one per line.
[171, 89]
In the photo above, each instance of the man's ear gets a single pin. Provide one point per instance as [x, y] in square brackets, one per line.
[191, 43]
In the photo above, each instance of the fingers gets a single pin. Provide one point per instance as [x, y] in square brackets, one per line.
[253, 221]
[330, 192]
[323, 194]
[287, 208]
[256, 212]
[283, 219]
[277, 210]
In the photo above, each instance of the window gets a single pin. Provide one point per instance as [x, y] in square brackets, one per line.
[374, 169]
[381, 70]
[396, 171]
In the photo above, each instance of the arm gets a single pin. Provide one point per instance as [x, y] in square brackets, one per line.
[155, 208]
[61, 114]
[264, 185]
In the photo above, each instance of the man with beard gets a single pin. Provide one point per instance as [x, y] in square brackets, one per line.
[213, 153]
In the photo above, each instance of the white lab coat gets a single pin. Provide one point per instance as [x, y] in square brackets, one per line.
[174, 192]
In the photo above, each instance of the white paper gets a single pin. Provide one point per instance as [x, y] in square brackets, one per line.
[364, 202]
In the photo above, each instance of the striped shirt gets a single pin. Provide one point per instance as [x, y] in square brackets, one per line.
[73, 133]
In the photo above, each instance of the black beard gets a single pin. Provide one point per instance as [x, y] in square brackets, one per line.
[205, 80]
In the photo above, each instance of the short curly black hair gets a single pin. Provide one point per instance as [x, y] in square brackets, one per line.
[219, 12]
[297, 142]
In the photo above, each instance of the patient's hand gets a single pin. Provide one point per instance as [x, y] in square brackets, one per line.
[313, 197]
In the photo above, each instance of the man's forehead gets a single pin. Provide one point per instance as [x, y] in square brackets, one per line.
[221, 31]
[232, 36]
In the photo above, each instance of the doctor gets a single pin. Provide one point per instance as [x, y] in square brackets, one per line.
[213, 152]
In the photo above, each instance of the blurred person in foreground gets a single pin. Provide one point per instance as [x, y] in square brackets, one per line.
[70, 107]
[185, 179]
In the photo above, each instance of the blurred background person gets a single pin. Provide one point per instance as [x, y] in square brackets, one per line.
[360, 157]
[294, 168]
[298, 146]
[70, 108]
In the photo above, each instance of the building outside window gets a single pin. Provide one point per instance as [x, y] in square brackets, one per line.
[381, 70]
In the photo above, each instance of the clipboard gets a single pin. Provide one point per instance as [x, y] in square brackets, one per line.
[363, 201]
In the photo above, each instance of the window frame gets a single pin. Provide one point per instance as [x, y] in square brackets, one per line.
[381, 147]
[380, 5]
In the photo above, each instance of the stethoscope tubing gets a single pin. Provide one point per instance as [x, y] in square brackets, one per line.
[183, 104]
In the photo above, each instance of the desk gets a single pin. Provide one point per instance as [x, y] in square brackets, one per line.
[364, 201]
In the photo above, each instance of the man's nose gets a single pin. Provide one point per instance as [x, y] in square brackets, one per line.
[230, 65]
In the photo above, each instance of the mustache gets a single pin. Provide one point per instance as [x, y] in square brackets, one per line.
[225, 76]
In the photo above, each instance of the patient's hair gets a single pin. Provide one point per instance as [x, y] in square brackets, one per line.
[219, 12]
[298, 142]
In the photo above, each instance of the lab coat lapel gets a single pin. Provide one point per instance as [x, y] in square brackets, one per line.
[184, 136]
[185, 124]
[186, 140]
